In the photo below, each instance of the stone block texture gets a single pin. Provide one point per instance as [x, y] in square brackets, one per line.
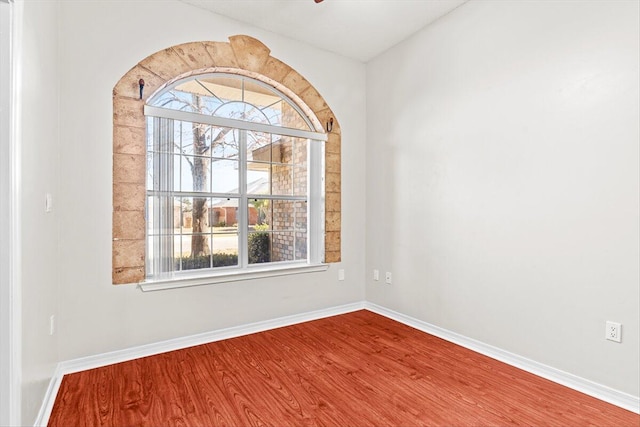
[242, 55]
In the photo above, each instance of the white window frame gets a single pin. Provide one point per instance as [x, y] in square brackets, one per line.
[315, 203]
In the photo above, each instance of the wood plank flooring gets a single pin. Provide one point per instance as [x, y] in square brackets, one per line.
[357, 369]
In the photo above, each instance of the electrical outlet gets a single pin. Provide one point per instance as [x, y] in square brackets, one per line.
[387, 278]
[341, 274]
[48, 203]
[376, 275]
[614, 331]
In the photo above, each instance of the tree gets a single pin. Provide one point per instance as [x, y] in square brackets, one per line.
[200, 174]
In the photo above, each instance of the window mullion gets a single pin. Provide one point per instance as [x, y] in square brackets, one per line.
[243, 204]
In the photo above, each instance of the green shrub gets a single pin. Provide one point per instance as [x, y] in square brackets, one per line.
[259, 247]
[219, 260]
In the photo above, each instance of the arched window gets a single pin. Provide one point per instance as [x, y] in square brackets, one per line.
[226, 166]
[234, 179]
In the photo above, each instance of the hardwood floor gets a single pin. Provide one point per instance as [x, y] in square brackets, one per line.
[357, 369]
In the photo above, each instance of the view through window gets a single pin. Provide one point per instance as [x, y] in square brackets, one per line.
[231, 164]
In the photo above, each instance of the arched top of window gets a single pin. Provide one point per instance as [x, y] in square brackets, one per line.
[230, 96]
[260, 93]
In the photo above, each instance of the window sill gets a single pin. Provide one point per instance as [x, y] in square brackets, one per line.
[230, 276]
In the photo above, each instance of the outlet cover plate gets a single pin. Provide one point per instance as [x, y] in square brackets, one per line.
[614, 331]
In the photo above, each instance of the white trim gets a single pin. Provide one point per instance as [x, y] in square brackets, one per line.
[50, 397]
[97, 361]
[5, 216]
[10, 267]
[235, 275]
[607, 394]
[16, 212]
[187, 116]
[599, 391]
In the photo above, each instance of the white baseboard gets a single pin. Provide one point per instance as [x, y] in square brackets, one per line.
[615, 397]
[49, 398]
[599, 391]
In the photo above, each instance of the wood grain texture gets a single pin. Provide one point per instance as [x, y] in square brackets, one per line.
[357, 369]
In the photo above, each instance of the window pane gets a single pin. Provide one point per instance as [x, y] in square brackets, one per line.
[193, 230]
[176, 100]
[194, 173]
[223, 213]
[289, 150]
[277, 230]
[258, 178]
[182, 175]
[282, 246]
[184, 138]
[185, 258]
[259, 215]
[224, 176]
[283, 215]
[159, 215]
[184, 215]
[182, 245]
[259, 219]
[282, 180]
[259, 247]
[203, 238]
[274, 112]
[277, 215]
[299, 151]
[197, 138]
[149, 178]
[225, 143]
[300, 220]
[299, 181]
[275, 246]
[150, 133]
[158, 260]
[161, 136]
[225, 88]
[278, 167]
[224, 223]
[224, 249]
[300, 245]
[259, 146]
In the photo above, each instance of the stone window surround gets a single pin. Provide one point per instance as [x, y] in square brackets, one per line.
[242, 55]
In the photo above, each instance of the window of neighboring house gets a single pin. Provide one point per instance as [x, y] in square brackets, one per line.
[234, 180]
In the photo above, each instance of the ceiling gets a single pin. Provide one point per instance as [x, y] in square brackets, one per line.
[358, 29]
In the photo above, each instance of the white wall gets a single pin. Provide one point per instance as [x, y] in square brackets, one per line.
[99, 42]
[40, 146]
[502, 180]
